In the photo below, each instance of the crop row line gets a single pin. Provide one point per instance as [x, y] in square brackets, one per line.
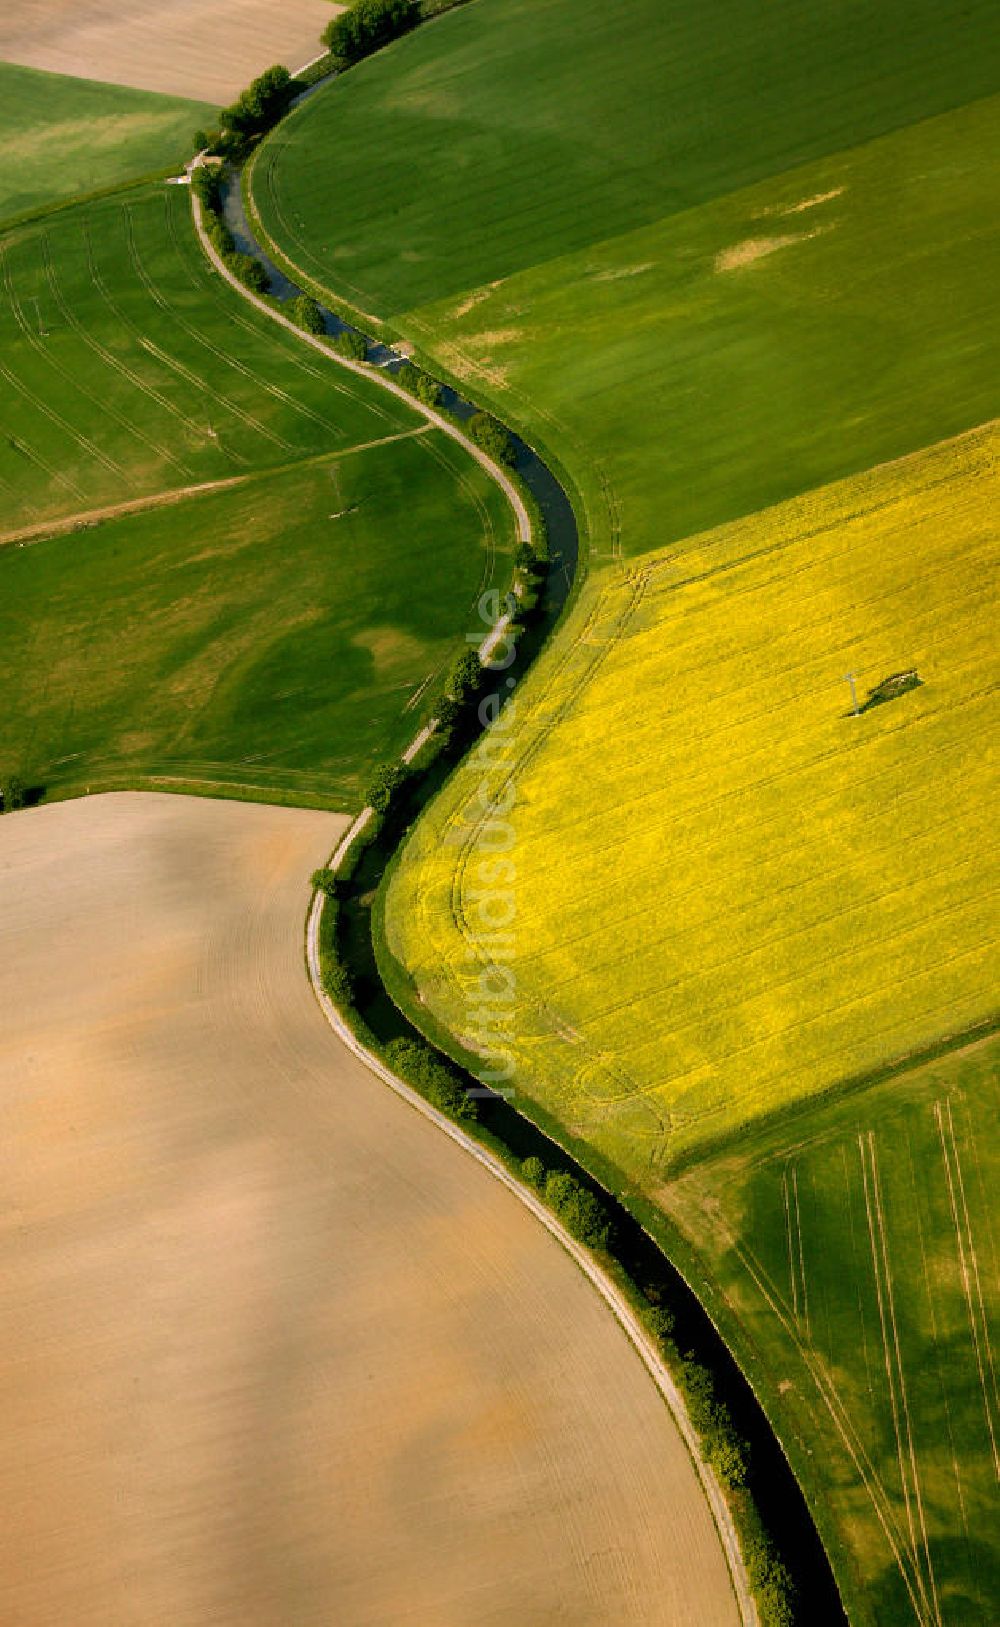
[748, 880]
[842, 1422]
[969, 1269]
[818, 761]
[105, 407]
[899, 1404]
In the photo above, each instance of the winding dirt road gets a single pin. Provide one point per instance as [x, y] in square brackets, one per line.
[274, 1349]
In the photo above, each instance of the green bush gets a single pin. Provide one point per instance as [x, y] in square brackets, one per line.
[383, 785]
[260, 106]
[492, 437]
[465, 678]
[660, 1323]
[580, 1212]
[306, 313]
[206, 184]
[420, 384]
[327, 881]
[338, 982]
[432, 1075]
[533, 1171]
[366, 26]
[350, 344]
[11, 794]
[220, 237]
[249, 271]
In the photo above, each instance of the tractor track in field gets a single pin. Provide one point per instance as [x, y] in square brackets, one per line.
[85, 519]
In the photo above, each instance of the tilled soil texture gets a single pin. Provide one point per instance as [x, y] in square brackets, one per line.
[273, 1348]
[180, 47]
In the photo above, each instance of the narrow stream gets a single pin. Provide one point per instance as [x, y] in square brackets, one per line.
[772, 1484]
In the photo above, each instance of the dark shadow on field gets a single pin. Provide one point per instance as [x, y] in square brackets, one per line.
[967, 1580]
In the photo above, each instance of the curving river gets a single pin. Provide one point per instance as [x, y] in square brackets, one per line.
[773, 1486]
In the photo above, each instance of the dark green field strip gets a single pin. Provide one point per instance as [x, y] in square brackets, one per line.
[284, 633]
[494, 124]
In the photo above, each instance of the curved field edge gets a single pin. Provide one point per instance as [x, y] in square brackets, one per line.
[434, 340]
[720, 878]
[588, 1263]
[687, 1202]
[112, 376]
[196, 1109]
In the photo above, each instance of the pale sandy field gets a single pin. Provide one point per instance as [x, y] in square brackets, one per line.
[272, 1349]
[181, 47]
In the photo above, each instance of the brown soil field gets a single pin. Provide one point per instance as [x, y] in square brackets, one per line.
[179, 47]
[273, 1350]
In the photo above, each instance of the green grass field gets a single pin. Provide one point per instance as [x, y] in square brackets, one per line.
[129, 368]
[853, 1253]
[273, 619]
[513, 132]
[277, 639]
[63, 136]
[710, 270]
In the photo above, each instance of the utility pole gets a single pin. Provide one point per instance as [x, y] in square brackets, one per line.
[849, 679]
[38, 318]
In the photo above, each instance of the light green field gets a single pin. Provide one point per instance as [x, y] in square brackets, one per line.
[714, 346]
[513, 132]
[273, 619]
[62, 136]
[129, 368]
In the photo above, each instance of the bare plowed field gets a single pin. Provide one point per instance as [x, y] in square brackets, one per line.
[274, 1350]
[180, 47]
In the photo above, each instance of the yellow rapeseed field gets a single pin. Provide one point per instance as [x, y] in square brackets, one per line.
[723, 892]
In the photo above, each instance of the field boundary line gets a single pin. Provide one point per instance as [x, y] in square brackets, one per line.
[612, 1296]
[839, 1417]
[41, 530]
[890, 1301]
[964, 1270]
[894, 1370]
[973, 1257]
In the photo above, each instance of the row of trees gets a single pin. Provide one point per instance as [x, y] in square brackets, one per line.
[583, 1214]
[366, 26]
[255, 110]
[206, 182]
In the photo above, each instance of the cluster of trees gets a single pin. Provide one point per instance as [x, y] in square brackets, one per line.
[384, 784]
[462, 689]
[366, 26]
[254, 111]
[305, 311]
[351, 344]
[206, 182]
[433, 1077]
[580, 1211]
[11, 793]
[420, 384]
[492, 437]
